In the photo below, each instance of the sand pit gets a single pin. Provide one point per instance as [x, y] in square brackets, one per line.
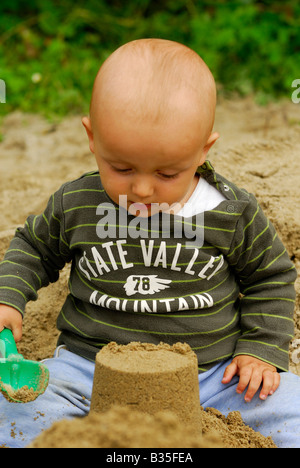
[258, 149]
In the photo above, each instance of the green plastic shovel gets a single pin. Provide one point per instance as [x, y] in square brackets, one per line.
[21, 380]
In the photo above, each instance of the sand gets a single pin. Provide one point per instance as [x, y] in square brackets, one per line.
[258, 149]
[24, 394]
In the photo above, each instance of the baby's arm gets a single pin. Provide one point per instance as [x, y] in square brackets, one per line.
[12, 319]
[34, 258]
[266, 278]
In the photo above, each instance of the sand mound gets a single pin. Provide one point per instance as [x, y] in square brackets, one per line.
[124, 428]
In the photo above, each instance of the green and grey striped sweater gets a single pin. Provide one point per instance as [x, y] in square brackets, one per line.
[233, 294]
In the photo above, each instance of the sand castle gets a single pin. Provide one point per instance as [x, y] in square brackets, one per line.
[148, 378]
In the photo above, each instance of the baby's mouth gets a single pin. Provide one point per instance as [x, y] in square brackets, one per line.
[141, 206]
[143, 210]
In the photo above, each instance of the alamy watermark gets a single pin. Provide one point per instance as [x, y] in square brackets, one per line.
[296, 353]
[296, 93]
[2, 92]
[121, 222]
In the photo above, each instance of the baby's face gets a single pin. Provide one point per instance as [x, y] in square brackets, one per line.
[146, 163]
[152, 112]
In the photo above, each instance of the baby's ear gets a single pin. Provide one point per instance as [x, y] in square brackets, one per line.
[86, 121]
[210, 142]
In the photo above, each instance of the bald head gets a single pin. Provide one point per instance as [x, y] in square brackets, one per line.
[153, 80]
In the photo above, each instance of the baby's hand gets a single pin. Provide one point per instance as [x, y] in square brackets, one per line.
[12, 319]
[252, 372]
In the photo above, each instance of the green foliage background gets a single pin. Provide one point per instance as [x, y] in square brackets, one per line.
[51, 50]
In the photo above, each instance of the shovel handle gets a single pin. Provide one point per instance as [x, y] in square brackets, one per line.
[9, 343]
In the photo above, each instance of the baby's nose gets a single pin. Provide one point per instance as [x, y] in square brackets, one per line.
[142, 187]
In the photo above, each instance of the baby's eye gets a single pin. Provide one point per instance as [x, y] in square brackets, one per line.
[168, 176]
[121, 170]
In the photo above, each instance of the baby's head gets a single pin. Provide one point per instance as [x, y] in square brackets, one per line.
[150, 124]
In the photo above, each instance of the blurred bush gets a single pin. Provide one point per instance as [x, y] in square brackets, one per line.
[51, 50]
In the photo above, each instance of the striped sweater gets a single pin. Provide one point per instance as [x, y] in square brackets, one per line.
[229, 293]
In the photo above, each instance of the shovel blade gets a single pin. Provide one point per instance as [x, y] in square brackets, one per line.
[22, 380]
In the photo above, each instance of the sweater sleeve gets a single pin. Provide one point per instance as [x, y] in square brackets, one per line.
[35, 256]
[266, 276]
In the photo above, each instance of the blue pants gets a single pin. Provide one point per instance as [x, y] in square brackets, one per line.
[69, 393]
